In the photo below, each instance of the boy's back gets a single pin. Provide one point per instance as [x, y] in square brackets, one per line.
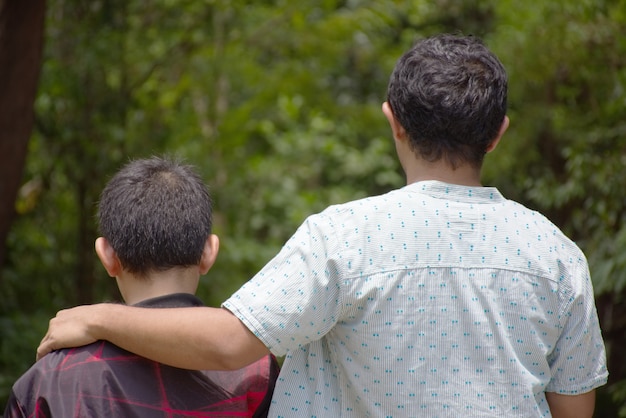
[104, 380]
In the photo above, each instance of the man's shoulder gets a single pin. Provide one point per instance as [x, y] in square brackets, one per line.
[371, 203]
[524, 215]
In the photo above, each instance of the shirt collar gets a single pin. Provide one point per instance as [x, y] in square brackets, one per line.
[174, 300]
[456, 192]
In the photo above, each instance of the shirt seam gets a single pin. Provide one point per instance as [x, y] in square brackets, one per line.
[536, 273]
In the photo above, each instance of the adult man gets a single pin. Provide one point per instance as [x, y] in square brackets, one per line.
[436, 299]
[155, 219]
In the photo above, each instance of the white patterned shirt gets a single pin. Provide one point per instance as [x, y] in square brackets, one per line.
[429, 301]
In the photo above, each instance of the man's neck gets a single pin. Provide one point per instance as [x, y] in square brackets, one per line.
[465, 175]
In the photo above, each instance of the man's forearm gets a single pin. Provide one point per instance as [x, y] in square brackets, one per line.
[183, 337]
[571, 406]
[193, 338]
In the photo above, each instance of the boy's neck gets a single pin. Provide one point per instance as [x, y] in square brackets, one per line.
[157, 283]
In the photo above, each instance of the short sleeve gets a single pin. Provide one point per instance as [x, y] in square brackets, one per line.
[578, 362]
[295, 298]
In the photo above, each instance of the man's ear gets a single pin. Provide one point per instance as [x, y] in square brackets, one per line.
[108, 257]
[496, 141]
[209, 254]
[396, 129]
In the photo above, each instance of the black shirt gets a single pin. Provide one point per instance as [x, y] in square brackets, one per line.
[103, 380]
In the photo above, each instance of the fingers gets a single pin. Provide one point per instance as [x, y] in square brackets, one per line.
[42, 350]
[46, 345]
[67, 329]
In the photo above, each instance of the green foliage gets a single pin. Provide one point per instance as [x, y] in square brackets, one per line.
[278, 104]
[618, 391]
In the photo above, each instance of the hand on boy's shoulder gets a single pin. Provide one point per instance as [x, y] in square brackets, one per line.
[70, 328]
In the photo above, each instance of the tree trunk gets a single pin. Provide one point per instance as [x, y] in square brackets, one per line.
[21, 44]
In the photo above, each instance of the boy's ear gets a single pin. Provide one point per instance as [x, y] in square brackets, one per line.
[108, 257]
[496, 140]
[209, 254]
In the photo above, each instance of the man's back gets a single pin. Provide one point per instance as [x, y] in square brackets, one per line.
[437, 299]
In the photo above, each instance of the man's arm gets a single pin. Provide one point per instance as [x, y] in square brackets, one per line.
[571, 406]
[191, 338]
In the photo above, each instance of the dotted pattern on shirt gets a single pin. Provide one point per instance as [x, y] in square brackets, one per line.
[427, 301]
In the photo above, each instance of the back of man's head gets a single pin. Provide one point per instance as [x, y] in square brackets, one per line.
[156, 213]
[450, 95]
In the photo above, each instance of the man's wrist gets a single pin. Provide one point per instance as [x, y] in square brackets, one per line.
[102, 320]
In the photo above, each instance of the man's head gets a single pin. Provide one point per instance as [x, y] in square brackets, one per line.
[449, 93]
[156, 214]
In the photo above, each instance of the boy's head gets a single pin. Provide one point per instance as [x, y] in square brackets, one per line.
[449, 93]
[156, 215]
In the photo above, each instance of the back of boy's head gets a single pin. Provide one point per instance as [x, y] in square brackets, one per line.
[449, 93]
[156, 213]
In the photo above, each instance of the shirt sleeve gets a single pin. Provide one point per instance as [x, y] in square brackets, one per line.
[578, 362]
[295, 299]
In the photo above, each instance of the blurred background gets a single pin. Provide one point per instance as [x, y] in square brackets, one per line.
[277, 103]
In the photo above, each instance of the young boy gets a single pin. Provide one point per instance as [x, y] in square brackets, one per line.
[155, 220]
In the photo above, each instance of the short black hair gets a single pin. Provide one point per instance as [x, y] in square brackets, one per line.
[449, 92]
[156, 213]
